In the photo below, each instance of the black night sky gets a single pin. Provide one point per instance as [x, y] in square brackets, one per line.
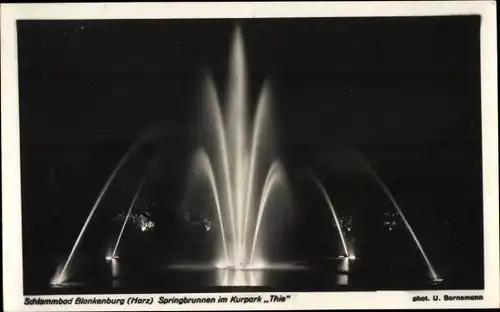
[403, 92]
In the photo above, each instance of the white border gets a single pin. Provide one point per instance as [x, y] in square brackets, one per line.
[11, 197]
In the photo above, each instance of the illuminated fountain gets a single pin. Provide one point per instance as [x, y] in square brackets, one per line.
[324, 193]
[436, 279]
[432, 272]
[232, 160]
[61, 274]
[113, 255]
[237, 161]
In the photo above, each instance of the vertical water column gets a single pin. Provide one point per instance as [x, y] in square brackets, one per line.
[236, 120]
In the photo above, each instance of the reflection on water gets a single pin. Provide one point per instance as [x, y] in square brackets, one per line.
[256, 275]
[227, 277]
[124, 275]
[343, 265]
[343, 279]
[115, 268]
[68, 285]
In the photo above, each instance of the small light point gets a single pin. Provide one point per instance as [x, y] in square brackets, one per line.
[437, 280]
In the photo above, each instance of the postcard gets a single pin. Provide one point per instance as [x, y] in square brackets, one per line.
[240, 156]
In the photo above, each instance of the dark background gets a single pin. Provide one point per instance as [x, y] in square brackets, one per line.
[403, 92]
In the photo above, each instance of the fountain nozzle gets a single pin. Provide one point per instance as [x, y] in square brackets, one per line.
[437, 280]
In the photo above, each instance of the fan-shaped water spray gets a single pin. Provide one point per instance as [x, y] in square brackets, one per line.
[407, 224]
[213, 115]
[388, 193]
[132, 205]
[274, 178]
[261, 117]
[202, 164]
[121, 163]
[235, 160]
[238, 156]
[334, 214]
